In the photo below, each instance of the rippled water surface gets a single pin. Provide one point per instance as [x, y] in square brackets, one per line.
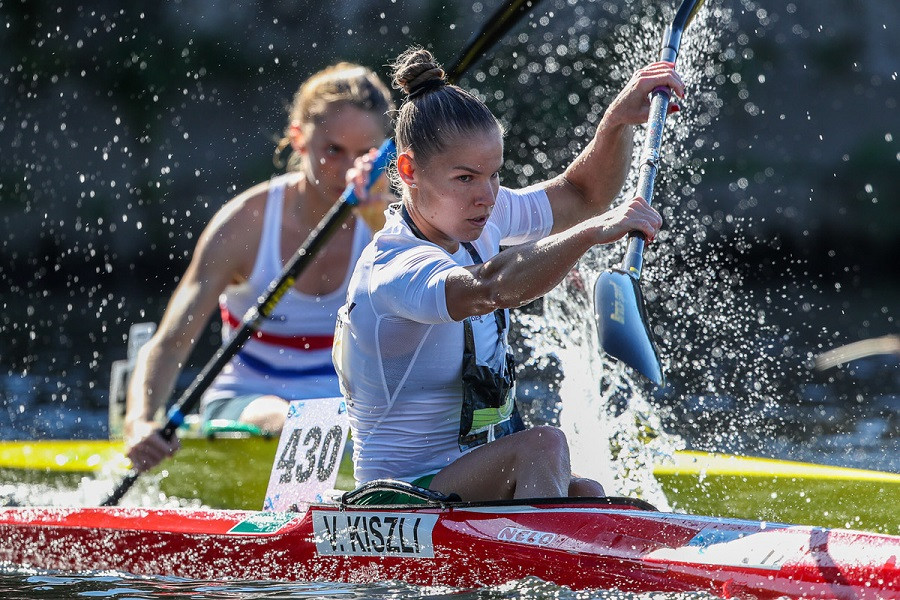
[123, 586]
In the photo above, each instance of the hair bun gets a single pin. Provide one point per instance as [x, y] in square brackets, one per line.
[416, 72]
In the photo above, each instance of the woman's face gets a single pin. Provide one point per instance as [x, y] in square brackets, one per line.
[455, 191]
[330, 145]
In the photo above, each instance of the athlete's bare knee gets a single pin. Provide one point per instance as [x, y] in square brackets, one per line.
[548, 447]
[266, 412]
[583, 487]
[548, 439]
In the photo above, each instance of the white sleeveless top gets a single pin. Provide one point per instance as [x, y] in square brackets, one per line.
[290, 356]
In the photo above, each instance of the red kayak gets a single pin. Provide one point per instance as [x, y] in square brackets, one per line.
[605, 543]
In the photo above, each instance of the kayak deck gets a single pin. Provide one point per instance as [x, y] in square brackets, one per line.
[583, 544]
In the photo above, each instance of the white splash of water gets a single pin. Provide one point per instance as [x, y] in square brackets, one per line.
[92, 490]
[614, 429]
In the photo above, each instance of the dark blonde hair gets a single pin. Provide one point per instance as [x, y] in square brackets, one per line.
[343, 82]
[435, 112]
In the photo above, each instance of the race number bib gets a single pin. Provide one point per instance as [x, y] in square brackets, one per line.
[309, 454]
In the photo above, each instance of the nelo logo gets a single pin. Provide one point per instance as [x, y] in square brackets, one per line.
[526, 536]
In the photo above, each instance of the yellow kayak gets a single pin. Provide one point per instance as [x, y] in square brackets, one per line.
[709, 464]
[74, 456]
[233, 472]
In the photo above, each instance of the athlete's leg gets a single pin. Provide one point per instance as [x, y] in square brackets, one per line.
[266, 412]
[582, 486]
[529, 464]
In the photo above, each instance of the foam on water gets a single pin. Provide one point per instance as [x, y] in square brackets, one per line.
[93, 489]
[29, 583]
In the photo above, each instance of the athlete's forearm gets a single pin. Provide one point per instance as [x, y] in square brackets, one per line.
[517, 275]
[151, 384]
[520, 274]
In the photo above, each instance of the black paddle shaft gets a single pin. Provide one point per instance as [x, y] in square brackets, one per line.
[249, 325]
[659, 107]
[493, 30]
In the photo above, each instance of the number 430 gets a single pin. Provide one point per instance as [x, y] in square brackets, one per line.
[321, 454]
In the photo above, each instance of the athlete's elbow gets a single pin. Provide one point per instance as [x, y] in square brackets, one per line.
[506, 296]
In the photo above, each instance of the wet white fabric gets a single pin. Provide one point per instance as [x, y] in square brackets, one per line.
[399, 352]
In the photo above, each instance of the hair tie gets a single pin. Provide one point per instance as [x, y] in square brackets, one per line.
[427, 87]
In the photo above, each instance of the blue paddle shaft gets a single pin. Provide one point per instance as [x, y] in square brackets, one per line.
[385, 155]
[618, 304]
[659, 106]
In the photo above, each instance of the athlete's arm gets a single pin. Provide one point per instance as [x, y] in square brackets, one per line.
[216, 261]
[595, 177]
[522, 273]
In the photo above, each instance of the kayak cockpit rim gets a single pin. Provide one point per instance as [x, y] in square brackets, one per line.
[433, 499]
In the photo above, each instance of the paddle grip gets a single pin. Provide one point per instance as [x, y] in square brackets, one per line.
[659, 107]
[386, 154]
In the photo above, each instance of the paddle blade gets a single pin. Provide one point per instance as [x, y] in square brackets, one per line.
[622, 324]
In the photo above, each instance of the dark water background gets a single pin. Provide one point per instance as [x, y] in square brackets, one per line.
[124, 129]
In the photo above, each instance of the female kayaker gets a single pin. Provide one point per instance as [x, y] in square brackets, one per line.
[421, 343]
[337, 115]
